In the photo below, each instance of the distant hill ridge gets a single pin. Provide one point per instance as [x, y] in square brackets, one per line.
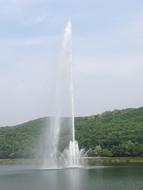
[112, 133]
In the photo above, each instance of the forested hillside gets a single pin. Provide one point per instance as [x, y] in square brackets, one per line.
[116, 133]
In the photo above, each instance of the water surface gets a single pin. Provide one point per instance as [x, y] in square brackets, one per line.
[92, 178]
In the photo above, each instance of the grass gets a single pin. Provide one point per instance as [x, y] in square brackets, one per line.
[16, 161]
[113, 160]
[89, 160]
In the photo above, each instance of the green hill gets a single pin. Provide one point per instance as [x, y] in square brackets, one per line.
[116, 133]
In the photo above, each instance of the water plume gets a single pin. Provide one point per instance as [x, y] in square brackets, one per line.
[59, 147]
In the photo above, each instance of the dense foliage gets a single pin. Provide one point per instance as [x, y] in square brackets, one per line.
[116, 133]
[20, 141]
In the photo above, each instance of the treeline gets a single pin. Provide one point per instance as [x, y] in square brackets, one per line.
[116, 133]
[20, 141]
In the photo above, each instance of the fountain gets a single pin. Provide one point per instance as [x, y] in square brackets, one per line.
[53, 155]
[73, 153]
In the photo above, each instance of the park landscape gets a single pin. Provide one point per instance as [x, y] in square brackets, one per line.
[45, 143]
[111, 134]
[112, 143]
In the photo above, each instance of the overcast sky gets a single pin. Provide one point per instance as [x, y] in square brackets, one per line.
[107, 52]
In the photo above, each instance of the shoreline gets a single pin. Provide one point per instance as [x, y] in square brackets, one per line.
[86, 160]
[113, 160]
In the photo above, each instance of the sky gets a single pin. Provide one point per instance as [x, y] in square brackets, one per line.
[107, 55]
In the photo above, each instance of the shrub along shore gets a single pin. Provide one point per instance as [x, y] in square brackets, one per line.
[85, 160]
[114, 160]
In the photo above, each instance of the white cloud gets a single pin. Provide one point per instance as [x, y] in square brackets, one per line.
[39, 40]
[107, 50]
[25, 91]
[21, 10]
[36, 20]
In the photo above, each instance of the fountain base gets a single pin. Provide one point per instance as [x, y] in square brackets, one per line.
[72, 155]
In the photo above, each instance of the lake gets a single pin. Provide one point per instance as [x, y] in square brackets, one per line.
[89, 178]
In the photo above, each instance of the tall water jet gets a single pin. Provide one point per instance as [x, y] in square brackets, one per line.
[72, 153]
[59, 148]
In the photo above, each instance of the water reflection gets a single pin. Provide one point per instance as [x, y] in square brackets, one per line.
[97, 178]
[68, 179]
[74, 179]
